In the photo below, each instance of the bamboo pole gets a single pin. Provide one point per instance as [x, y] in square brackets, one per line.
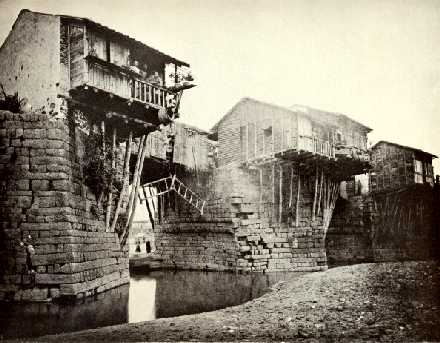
[103, 137]
[152, 203]
[320, 192]
[135, 178]
[150, 214]
[261, 188]
[126, 174]
[297, 198]
[315, 194]
[291, 187]
[281, 195]
[110, 194]
[273, 184]
[136, 183]
[103, 157]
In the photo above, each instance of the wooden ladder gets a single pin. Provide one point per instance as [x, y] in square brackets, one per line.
[172, 183]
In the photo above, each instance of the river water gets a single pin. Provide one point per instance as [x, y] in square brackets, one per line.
[149, 295]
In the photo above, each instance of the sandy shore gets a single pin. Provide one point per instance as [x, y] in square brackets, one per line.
[367, 302]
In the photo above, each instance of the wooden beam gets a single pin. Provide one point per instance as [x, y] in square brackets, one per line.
[320, 192]
[273, 184]
[110, 191]
[135, 191]
[261, 186]
[281, 194]
[126, 175]
[132, 198]
[315, 194]
[297, 197]
[103, 137]
[291, 187]
[109, 114]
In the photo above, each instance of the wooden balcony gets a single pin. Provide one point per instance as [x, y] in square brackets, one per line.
[261, 143]
[316, 146]
[121, 82]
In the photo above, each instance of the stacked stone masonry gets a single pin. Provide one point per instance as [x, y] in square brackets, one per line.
[44, 202]
[236, 230]
[360, 232]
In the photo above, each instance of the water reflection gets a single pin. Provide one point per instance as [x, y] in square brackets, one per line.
[36, 319]
[142, 299]
[150, 295]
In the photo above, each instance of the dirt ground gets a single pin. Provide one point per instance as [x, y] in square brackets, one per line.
[396, 302]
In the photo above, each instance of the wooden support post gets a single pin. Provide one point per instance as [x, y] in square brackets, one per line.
[273, 137]
[315, 194]
[255, 140]
[297, 197]
[152, 202]
[273, 184]
[132, 197]
[281, 195]
[319, 193]
[291, 187]
[103, 137]
[261, 187]
[126, 175]
[110, 191]
[136, 183]
[247, 141]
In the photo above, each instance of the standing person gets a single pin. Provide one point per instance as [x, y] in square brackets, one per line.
[30, 252]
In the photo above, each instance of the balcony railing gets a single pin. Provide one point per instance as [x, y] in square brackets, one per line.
[316, 145]
[259, 140]
[122, 82]
[150, 94]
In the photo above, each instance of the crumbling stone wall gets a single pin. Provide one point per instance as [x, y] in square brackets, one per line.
[43, 196]
[239, 232]
[361, 230]
[348, 238]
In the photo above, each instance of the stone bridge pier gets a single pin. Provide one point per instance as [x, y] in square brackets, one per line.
[254, 220]
[45, 203]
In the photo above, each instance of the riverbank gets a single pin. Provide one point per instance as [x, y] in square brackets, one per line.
[366, 302]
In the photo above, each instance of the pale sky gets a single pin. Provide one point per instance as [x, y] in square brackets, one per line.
[375, 61]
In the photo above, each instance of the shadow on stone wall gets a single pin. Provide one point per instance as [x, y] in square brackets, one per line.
[391, 226]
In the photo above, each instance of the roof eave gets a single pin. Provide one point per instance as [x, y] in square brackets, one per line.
[131, 40]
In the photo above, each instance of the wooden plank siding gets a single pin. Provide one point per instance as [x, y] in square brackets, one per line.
[192, 149]
[253, 130]
[97, 62]
[76, 52]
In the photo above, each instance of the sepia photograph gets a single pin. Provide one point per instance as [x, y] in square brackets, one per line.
[219, 171]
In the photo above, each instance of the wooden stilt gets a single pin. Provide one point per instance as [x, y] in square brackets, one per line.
[103, 157]
[273, 184]
[126, 175]
[261, 188]
[291, 187]
[132, 197]
[103, 137]
[315, 195]
[280, 214]
[319, 193]
[150, 214]
[297, 197]
[152, 203]
[136, 184]
[110, 191]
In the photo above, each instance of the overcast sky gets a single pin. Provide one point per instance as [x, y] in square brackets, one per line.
[376, 61]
